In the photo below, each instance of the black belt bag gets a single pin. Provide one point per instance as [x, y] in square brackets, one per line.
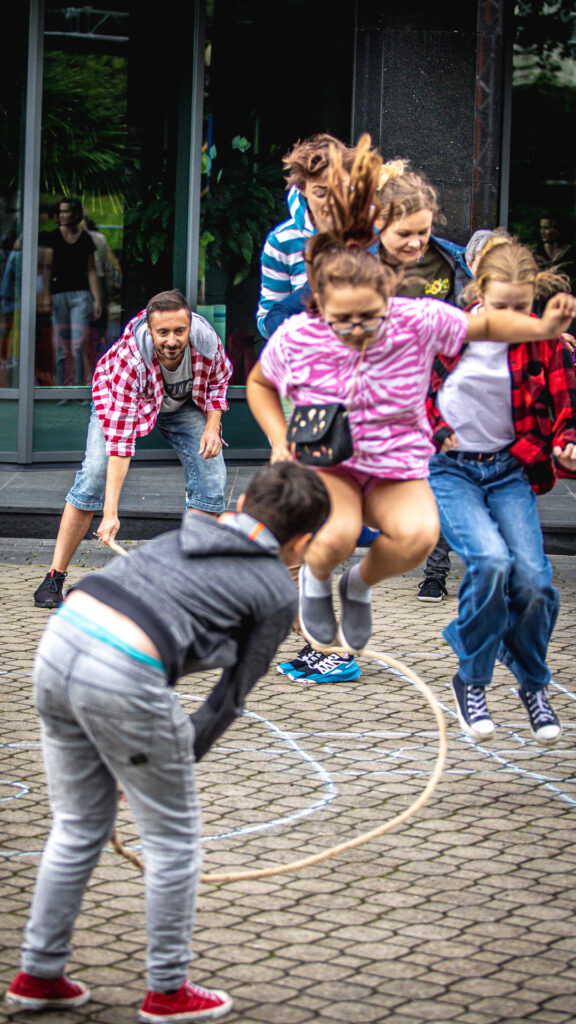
[320, 434]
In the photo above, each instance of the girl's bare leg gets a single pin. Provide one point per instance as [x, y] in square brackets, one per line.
[336, 541]
[405, 513]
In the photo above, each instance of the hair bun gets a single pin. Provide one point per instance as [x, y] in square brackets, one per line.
[392, 169]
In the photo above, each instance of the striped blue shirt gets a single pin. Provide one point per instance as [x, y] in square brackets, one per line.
[282, 266]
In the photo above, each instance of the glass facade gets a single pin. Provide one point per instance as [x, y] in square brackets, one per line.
[12, 128]
[169, 132]
[154, 161]
[254, 110]
[542, 153]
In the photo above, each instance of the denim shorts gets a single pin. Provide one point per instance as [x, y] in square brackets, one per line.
[205, 478]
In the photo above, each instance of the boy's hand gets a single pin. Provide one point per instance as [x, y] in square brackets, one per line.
[558, 315]
[566, 457]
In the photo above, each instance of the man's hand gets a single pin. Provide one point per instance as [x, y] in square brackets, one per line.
[558, 315]
[566, 457]
[108, 527]
[448, 443]
[210, 443]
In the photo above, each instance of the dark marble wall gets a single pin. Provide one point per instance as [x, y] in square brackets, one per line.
[428, 86]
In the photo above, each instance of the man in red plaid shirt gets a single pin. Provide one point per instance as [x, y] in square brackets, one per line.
[169, 370]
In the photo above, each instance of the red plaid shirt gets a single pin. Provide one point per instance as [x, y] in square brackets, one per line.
[128, 390]
[543, 382]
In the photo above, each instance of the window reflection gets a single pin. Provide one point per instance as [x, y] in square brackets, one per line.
[83, 184]
[543, 160]
[12, 99]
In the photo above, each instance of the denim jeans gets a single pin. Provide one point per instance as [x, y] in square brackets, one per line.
[205, 478]
[71, 318]
[108, 719]
[507, 605]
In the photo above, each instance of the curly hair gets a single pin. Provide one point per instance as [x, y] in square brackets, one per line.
[311, 157]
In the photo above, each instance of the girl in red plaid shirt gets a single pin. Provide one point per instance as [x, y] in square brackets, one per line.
[505, 426]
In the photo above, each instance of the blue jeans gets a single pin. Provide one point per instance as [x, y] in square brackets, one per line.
[205, 478]
[507, 605]
[71, 319]
[108, 719]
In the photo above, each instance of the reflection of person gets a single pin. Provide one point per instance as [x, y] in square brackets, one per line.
[213, 594]
[372, 353]
[504, 422]
[72, 289]
[108, 270]
[557, 250]
[168, 369]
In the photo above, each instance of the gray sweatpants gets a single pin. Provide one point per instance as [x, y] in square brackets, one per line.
[108, 718]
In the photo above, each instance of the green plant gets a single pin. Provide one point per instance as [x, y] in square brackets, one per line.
[242, 201]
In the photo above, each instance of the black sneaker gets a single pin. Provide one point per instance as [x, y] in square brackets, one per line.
[431, 589]
[544, 723]
[49, 593]
[472, 709]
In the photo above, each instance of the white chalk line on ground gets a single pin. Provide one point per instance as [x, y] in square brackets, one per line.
[327, 779]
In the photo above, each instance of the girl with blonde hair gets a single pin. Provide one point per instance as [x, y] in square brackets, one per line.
[504, 422]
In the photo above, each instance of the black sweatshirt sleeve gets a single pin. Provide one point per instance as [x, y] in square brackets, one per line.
[259, 642]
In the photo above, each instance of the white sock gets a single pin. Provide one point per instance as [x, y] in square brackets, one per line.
[315, 587]
[356, 588]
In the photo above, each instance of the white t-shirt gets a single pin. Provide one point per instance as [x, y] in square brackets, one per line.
[476, 398]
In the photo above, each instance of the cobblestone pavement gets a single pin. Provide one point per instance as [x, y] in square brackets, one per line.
[465, 914]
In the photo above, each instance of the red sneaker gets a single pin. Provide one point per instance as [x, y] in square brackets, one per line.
[40, 993]
[189, 1003]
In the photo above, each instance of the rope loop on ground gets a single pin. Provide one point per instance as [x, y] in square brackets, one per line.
[220, 878]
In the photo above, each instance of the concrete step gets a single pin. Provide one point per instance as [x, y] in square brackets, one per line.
[31, 501]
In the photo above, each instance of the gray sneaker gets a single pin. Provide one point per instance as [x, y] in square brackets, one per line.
[316, 614]
[356, 620]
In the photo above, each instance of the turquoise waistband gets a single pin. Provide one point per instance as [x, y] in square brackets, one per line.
[93, 629]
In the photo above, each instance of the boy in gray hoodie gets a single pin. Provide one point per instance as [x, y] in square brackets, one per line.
[215, 593]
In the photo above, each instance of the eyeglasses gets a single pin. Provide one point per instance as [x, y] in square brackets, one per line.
[345, 327]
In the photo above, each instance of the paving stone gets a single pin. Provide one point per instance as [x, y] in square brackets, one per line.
[463, 914]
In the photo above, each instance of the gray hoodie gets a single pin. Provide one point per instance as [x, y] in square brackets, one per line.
[208, 595]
